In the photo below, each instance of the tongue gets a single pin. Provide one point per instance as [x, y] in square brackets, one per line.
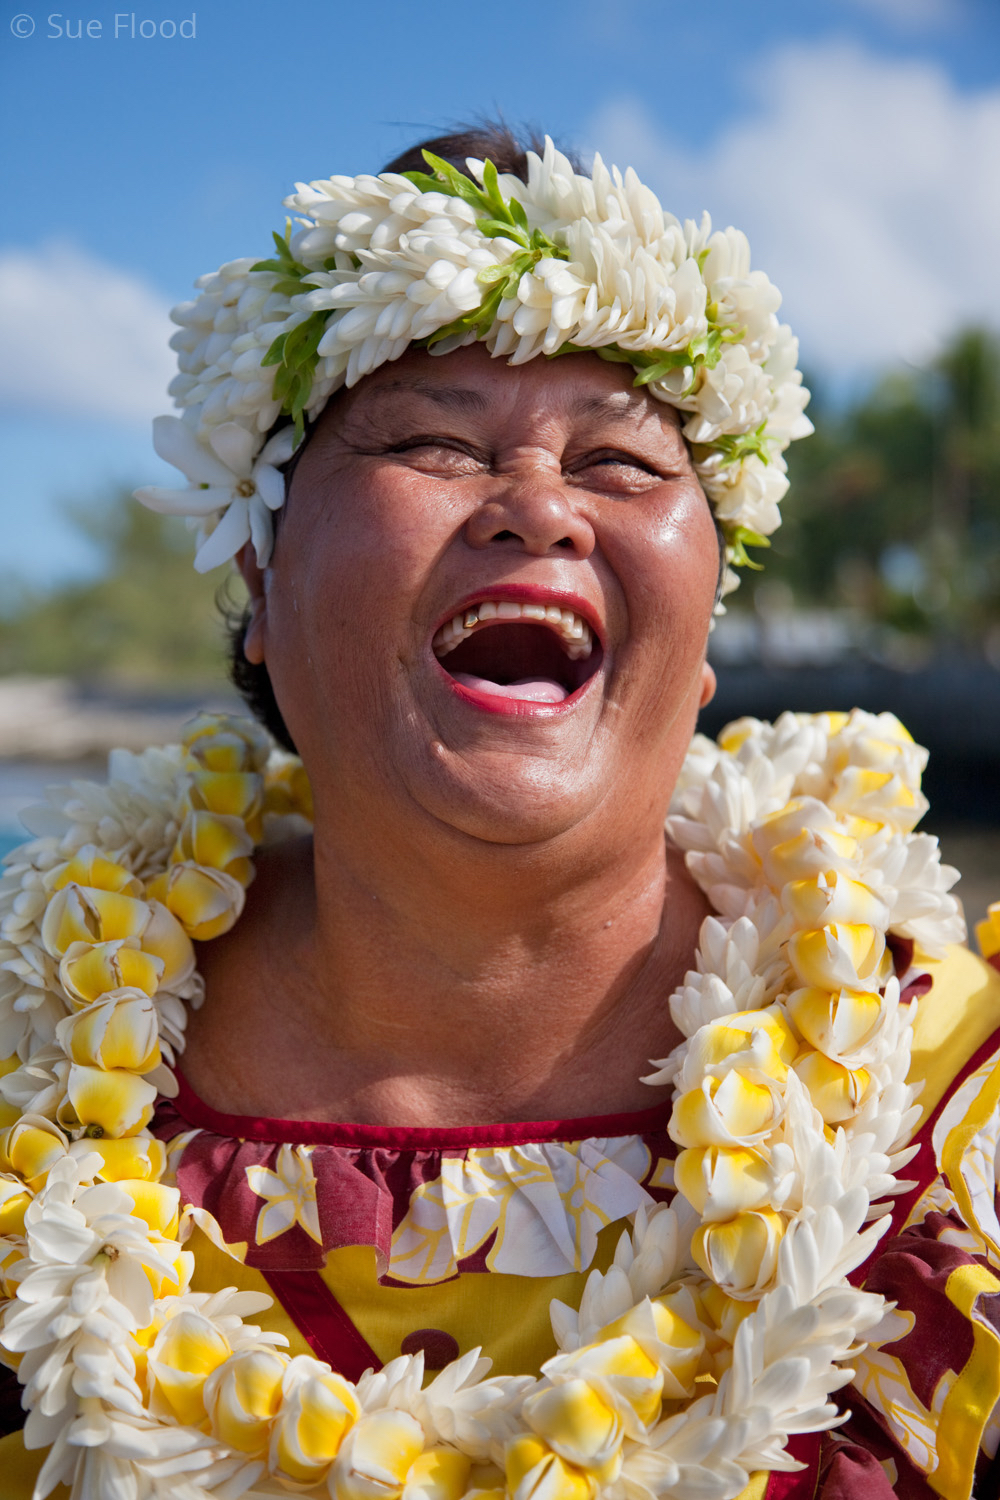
[533, 689]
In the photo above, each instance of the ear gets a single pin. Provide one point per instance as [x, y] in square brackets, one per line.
[707, 685]
[253, 577]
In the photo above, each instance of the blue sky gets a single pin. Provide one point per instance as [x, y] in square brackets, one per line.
[855, 140]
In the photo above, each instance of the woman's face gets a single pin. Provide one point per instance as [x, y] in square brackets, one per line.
[541, 508]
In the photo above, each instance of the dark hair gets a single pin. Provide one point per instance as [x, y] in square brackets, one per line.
[490, 140]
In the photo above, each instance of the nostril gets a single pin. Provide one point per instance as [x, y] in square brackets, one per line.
[506, 536]
[565, 541]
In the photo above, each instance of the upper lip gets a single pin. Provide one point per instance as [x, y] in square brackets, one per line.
[527, 593]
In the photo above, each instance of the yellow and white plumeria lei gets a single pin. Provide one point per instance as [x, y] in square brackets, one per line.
[563, 262]
[725, 1322]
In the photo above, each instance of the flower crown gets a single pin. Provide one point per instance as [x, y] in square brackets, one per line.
[564, 262]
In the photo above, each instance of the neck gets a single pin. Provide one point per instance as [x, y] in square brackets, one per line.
[447, 981]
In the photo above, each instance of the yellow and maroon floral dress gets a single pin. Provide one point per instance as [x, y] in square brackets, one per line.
[376, 1241]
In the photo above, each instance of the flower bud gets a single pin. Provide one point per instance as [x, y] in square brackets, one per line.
[220, 843]
[85, 914]
[841, 955]
[376, 1456]
[836, 1091]
[90, 970]
[740, 1255]
[174, 1281]
[485, 1482]
[107, 1102]
[577, 1425]
[234, 794]
[721, 1181]
[833, 897]
[166, 940]
[534, 1472]
[767, 1047]
[187, 1349]
[723, 1311]
[30, 1148]
[242, 1397]
[800, 840]
[14, 1199]
[438, 1474]
[139, 1157]
[835, 1021]
[118, 1031]
[220, 742]
[205, 902]
[729, 1111]
[666, 1332]
[988, 932]
[90, 867]
[287, 790]
[155, 1204]
[882, 796]
[318, 1409]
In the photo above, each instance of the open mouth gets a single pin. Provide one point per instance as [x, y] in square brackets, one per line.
[535, 653]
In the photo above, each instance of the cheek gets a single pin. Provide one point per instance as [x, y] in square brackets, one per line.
[668, 560]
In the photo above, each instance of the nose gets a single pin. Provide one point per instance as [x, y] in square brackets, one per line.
[532, 512]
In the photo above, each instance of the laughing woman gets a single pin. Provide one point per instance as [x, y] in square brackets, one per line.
[515, 1148]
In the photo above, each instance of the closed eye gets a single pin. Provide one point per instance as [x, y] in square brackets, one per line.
[615, 471]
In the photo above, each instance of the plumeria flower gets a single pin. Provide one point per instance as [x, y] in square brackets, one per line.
[228, 480]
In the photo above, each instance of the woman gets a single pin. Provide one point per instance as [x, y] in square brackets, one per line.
[481, 620]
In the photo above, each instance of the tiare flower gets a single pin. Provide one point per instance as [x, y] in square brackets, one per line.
[231, 484]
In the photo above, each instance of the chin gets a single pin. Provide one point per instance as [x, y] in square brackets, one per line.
[530, 802]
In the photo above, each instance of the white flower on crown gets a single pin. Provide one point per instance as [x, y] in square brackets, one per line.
[378, 262]
[228, 487]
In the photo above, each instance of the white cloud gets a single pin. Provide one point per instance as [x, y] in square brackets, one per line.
[80, 336]
[867, 186]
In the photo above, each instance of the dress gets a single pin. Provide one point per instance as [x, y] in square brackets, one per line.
[474, 1231]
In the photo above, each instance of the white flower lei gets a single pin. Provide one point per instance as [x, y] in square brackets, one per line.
[725, 1322]
[563, 262]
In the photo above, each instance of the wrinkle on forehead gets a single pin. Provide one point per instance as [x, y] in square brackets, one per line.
[471, 398]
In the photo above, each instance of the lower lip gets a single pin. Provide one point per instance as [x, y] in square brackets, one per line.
[523, 708]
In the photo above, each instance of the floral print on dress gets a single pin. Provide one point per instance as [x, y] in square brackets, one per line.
[289, 1192]
[542, 1205]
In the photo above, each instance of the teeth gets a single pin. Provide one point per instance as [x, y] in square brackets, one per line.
[573, 631]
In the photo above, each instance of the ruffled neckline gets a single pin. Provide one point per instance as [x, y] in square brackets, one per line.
[526, 1198]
